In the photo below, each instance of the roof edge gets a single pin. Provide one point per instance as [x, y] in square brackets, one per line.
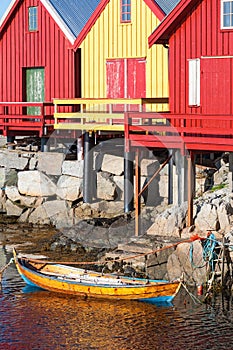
[57, 18]
[86, 29]
[163, 32]
[156, 9]
[7, 13]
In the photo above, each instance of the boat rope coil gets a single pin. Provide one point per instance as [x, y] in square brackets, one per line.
[209, 254]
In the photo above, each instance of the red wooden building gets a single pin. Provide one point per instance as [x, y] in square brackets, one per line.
[199, 37]
[37, 62]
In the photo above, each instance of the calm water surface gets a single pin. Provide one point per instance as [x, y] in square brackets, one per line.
[36, 319]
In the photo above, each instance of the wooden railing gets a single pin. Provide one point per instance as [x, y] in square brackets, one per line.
[94, 114]
[186, 132]
[26, 118]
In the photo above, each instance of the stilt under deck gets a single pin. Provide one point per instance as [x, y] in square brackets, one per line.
[188, 134]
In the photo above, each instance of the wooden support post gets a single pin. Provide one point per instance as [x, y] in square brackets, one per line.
[191, 179]
[137, 196]
[128, 182]
[88, 169]
[170, 180]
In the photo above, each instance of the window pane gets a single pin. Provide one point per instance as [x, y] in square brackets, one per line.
[32, 18]
[226, 7]
[125, 10]
[226, 21]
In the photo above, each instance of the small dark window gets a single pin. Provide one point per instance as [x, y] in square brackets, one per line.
[125, 10]
[32, 18]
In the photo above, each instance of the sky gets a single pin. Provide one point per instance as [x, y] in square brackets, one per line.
[3, 6]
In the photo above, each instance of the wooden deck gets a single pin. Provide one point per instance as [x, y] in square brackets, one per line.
[99, 114]
[190, 132]
[16, 118]
[127, 117]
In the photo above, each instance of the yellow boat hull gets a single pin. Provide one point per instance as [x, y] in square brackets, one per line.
[56, 278]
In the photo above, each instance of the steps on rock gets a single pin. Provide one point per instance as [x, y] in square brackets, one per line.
[135, 248]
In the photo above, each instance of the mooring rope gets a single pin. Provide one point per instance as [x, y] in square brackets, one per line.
[192, 296]
[191, 239]
[4, 268]
[209, 255]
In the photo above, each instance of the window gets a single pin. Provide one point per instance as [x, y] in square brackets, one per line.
[32, 19]
[194, 82]
[227, 14]
[125, 11]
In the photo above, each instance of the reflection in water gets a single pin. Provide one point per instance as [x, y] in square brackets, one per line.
[36, 319]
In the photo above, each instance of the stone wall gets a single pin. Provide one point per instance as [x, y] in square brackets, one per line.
[44, 188]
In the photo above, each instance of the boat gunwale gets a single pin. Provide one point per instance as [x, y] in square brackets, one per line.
[62, 278]
[140, 292]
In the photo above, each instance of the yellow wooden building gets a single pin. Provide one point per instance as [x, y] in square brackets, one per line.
[116, 61]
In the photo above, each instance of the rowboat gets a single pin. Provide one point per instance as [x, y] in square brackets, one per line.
[67, 279]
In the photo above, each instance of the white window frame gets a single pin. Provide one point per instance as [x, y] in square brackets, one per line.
[194, 82]
[224, 14]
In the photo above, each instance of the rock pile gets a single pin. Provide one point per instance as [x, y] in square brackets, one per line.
[46, 189]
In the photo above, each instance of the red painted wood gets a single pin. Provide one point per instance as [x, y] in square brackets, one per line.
[136, 70]
[209, 136]
[197, 36]
[216, 81]
[115, 78]
[46, 48]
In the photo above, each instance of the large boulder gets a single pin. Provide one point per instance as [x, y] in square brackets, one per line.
[12, 193]
[13, 209]
[73, 168]
[187, 262]
[69, 187]
[113, 164]
[106, 188]
[35, 183]
[50, 163]
[207, 218]
[8, 177]
[170, 222]
[13, 160]
[39, 216]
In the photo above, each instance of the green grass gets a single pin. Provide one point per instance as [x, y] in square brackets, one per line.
[217, 187]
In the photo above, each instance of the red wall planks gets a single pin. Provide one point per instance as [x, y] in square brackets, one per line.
[199, 35]
[47, 47]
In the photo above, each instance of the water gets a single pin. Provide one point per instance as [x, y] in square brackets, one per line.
[36, 319]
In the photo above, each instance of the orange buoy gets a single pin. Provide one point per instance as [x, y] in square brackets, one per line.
[200, 290]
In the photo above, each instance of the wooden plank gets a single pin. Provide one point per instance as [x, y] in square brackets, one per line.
[90, 115]
[89, 127]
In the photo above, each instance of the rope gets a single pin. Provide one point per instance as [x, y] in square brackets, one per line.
[208, 250]
[209, 254]
[193, 297]
[191, 239]
[191, 259]
[4, 268]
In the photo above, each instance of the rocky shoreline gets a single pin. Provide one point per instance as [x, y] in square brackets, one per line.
[42, 197]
